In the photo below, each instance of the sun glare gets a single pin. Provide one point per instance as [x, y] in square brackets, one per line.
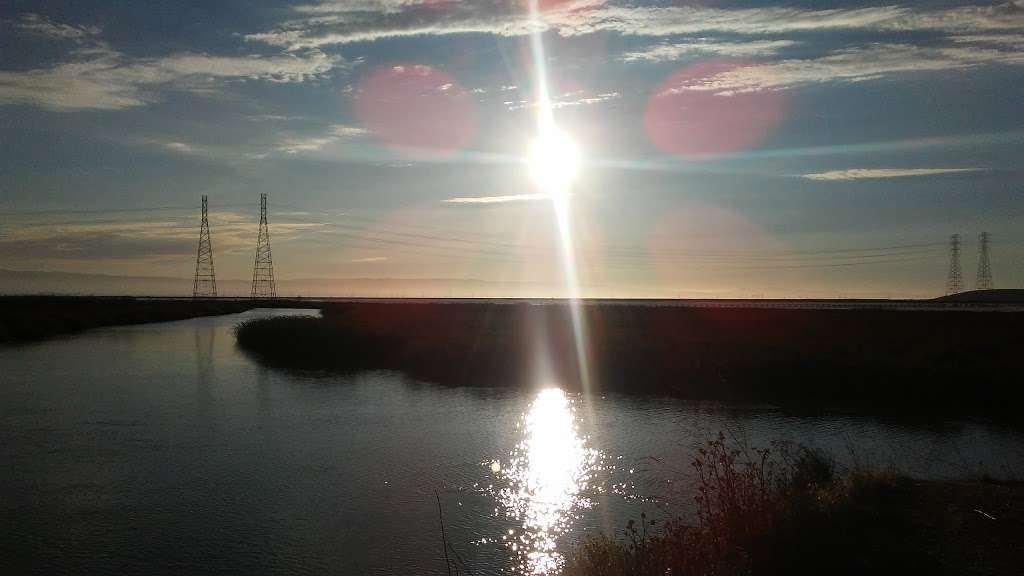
[554, 161]
[549, 473]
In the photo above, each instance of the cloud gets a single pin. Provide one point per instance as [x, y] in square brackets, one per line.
[345, 131]
[99, 78]
[162, 235]
[274, 117]
[110, 81]
[567, 100]
[495, 199]
[869, 173]
[336, 132]
[368, 260]
[333, 23]
[850, 65]
[1015, 41]
[670, 20]
[285, 68]
[36, 24]
[180, 147]
[670, 52]
[310, 144]
[95, 241]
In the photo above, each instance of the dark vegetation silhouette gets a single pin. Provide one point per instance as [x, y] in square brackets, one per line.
[990, 296]
[785, 510]
[925, 363]
[29, 318]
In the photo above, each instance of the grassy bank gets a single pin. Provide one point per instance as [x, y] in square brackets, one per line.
[879, 361]
[762, 512]
[29, 318]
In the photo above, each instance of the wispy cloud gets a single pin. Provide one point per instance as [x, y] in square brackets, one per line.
[110, 81]
[850, 65]
[328, 23]
[346, 131]
[142, 237]
[36, 24]
[869, 173]
[180, 147]
[96, 77]
[368, 260]
[495, 199]
[274, 117]
[309, 144]
[567, 100]
[670, 20]
[335, 133]
[1010, 40]
[675, 51]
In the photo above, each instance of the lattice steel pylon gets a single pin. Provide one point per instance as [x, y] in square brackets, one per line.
[263, 269]
[205, 283]
[984, 281]
[954, 283]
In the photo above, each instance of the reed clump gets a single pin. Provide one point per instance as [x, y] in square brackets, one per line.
[785, 510]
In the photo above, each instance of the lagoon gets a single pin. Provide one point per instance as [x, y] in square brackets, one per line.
[162, 448]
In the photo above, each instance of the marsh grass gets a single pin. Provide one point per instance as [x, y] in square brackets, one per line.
[30, 318]
[923, 364]
[775, 510]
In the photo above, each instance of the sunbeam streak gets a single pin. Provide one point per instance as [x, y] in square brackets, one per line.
[554, 162]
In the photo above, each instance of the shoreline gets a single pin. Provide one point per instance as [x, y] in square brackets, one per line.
[27, 319]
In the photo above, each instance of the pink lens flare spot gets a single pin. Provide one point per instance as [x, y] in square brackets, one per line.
[699, 113]
[549, 5]
[707, 248]
[417, 109]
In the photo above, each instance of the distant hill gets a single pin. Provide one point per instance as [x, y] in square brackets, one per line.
[1008, 295]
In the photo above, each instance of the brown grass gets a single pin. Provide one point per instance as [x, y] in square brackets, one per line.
[783, 511]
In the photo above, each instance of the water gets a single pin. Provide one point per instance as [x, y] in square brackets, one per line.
[163, 449]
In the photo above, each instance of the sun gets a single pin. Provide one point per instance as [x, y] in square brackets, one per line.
[554, 161]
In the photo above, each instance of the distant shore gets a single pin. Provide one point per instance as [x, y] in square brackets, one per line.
[30, 318]
[896, 362]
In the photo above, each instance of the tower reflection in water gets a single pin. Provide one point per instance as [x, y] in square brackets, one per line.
[548, 474]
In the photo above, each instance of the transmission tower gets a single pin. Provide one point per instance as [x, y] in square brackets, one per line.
[205, 283]
[263, 269]
[955, 282]
[984, 270]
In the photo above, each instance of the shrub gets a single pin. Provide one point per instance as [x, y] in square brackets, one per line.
[751, 502]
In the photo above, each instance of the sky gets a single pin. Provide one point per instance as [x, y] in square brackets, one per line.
[727, 148]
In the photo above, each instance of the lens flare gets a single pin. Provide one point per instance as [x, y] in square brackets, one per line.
[688, 116]
[417, 110]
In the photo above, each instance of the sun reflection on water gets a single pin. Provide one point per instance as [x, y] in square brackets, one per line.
[548, 475]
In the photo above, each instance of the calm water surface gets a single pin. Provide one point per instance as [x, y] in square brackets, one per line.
[163, 449]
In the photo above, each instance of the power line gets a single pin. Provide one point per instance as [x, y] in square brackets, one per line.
[519, 252]
[493, 241]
